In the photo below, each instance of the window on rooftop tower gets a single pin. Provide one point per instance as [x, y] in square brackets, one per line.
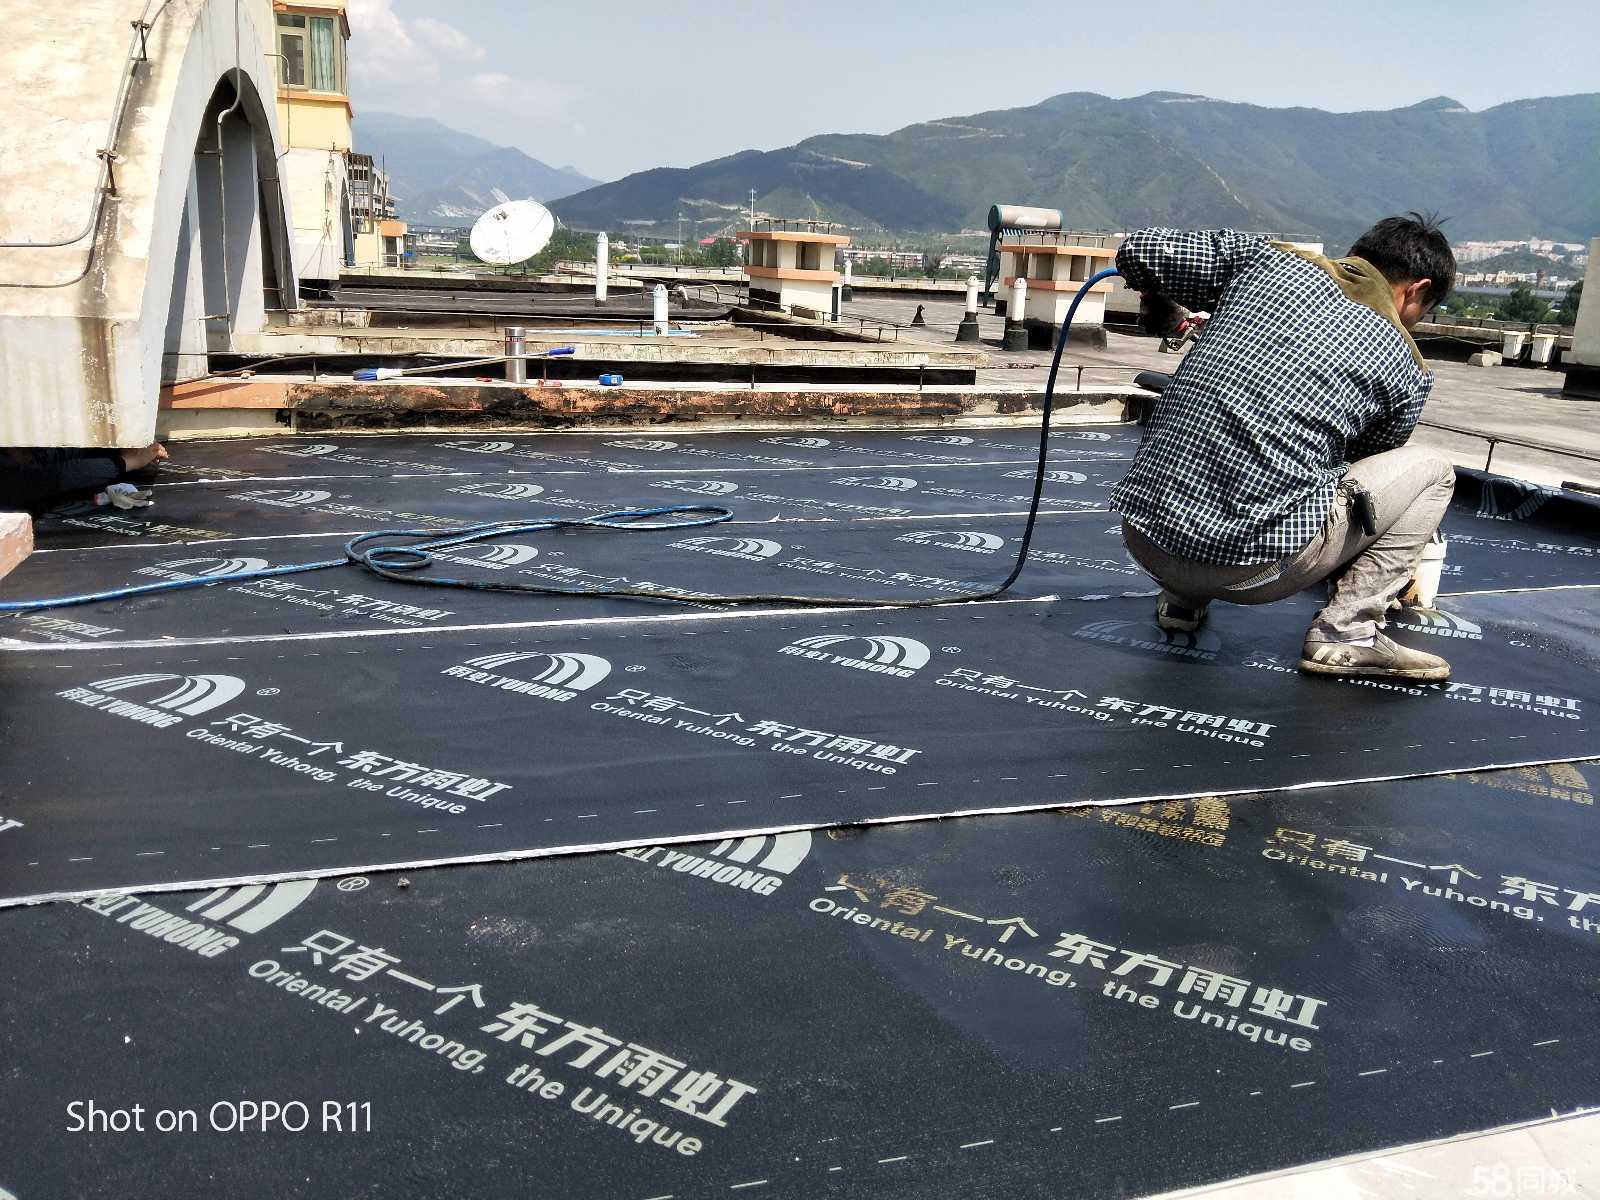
[292, 45]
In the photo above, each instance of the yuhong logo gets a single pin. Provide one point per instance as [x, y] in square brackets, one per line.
[282, 497]
[479, 447]
[249, 909]
[1439, 624]
[887, 483]
[497, 557]
[1523, 503]
[977, 543]
[1051, 476]
[699, 487]
[298, 451]
[805, 443]
[751, 864]
[882, 655]
[1137, 635]
[560, 677]
[754, 549]
[657, 445]
[191, 696]
[202, 568]
[949, 439]
[501, 491]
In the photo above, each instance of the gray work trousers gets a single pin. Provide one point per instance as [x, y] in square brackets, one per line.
[1410, 488]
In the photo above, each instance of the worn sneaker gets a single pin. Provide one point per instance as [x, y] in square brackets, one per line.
[1382, 658]
[1175, 618]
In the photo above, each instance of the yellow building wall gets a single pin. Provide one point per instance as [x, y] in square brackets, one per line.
[314, 120]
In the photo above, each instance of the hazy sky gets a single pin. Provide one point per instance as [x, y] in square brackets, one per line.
[612, 88]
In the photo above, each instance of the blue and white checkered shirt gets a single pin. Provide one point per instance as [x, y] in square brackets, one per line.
[1290, 382]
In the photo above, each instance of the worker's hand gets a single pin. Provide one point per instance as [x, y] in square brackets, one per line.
[138, 460]
[1159, 316]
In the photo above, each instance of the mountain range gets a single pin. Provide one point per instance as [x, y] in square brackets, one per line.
[442, 176]
[1529, 167]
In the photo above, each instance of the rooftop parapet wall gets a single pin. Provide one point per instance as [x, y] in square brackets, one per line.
[94, 256]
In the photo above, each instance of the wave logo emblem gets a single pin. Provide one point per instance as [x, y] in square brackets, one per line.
[751, 549]
[781, 852]
[501, 491]
[885, 483]
[479, 447]
[803, 443]
[948, 439]
[283, 498]
[899, 656]
[657, 445]
[255, 906]
[699, 487]
[1439, 624]
[294, 450]
[1201, 644]
[1051, 476]
[562, 677]
[1087, 435]
[951, 539]
[193, 695]
[496, 557]
[207, 568]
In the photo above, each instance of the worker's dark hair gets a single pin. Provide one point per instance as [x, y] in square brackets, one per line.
[1410, 248]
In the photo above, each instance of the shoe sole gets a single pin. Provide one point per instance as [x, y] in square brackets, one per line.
[1432, 674]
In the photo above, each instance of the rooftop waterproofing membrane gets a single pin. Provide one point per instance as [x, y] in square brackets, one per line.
[702, 935]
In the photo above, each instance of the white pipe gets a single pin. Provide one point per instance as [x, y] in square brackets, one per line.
[847, 272]
[659, 297]
[1019, 300]
[602, 265]
[972, 293]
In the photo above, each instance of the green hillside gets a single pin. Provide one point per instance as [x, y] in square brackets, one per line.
[1524, 168]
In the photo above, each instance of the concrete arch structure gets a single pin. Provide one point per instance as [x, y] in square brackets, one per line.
[182, 233]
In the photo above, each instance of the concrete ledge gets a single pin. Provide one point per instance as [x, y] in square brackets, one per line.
[16, 541]
[327, 403]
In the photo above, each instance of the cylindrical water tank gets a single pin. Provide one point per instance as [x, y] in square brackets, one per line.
[1018, 216]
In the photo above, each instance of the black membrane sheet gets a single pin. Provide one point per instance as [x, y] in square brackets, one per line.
[275, 758]
[834, 518]
[1106, 1002]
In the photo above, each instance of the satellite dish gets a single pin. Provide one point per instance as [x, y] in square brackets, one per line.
[512, 232]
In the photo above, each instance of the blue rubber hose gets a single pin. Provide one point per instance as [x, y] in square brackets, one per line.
[406, 561]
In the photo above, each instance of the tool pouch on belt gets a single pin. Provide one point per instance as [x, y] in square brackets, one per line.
[1362, 509]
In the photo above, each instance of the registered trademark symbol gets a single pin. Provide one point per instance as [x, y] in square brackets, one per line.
[951, 649]
[635, 667]
[352, 883]
[266, 691]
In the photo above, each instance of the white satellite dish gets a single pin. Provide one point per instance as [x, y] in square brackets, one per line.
[512, 232]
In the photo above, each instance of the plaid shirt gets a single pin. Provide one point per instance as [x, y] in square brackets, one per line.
[1290, 382]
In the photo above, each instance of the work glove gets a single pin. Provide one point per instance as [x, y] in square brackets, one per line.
[1159, 316]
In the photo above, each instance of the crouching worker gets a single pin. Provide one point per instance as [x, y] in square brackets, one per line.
[1277, 456]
